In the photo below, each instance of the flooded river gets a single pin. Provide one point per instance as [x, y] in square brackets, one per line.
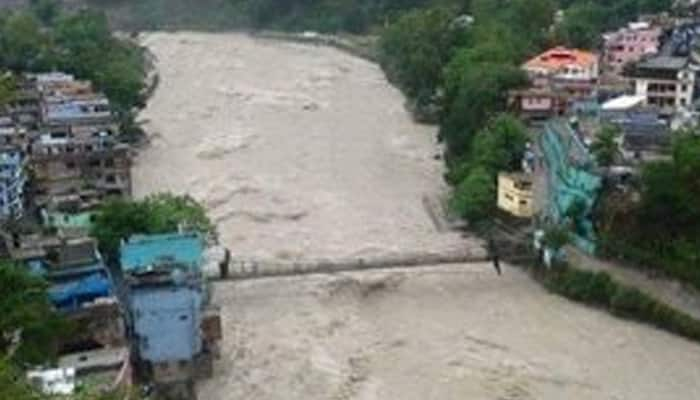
[302, 152]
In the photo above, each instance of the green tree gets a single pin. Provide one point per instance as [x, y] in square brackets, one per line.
[7, 88]
[46, 10]
[163, 213]
[606, 148]
[22, 44]
[501, 145]
[556, 237]
[414, 50]
[474, 198]
[28, 324]
[583, 23]
[13, 385]
[481, 93]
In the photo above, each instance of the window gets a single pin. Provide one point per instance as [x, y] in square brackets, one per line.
[70, 165]
[523, 202]
[109, 163]
[111, 179]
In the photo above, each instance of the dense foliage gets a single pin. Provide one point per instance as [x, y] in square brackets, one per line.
[662, 230]
[599, 289]
[81, 43]
[28, 324]
[163, 213]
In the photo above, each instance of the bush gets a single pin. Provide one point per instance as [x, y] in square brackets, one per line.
[599, 289]
[161, 213]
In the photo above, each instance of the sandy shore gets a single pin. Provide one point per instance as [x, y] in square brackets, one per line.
[304, 152]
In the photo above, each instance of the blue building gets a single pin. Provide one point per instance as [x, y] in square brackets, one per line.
[77, 274]
[147, 253]
[12, 182]
[166, 322]
[167, 302]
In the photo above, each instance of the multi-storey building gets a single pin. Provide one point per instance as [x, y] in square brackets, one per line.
[67, 168]
[666, 82]
[630, 44]
[12, 182]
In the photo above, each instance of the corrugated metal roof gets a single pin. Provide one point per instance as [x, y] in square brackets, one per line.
[144, 252]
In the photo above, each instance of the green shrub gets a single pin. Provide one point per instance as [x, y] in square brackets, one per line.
[599, 289]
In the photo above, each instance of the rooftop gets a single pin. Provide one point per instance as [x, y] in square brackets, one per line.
[622, 103]
[558, 57]
[166, 321]
[664, 63]
[144, 252]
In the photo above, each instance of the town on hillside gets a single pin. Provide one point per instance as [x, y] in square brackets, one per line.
[146, 316]
[639, 91]
[551, 165]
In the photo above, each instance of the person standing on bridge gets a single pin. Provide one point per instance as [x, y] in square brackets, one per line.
[493, 251]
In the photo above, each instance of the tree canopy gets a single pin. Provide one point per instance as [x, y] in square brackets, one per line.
[79, 43]
[163, 213]
[28, 324]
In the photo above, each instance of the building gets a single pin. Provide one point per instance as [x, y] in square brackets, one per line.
[621, 106]
[572, 181]
[538, 104]
[630, 44]
[148, 253]
[67, 168]
[13, 180]
[569, 70]
[77, 273]
[645, 136]
[102, 369]
[175, 329]
[666, 82]
[515, 194]
[68, 221]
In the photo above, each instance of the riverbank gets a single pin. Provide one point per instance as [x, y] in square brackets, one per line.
[298, 152]
[303, 152]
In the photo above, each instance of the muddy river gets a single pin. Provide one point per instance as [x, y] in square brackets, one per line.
[301, 152]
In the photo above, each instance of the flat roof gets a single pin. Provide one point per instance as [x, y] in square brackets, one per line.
[623, 102]
[664, 62]
[141, 252]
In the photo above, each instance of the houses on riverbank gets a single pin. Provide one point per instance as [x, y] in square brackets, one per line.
[631, 95]
[146, 317]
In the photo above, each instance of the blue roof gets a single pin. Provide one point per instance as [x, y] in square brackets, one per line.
[143, 252]
[71, 295]
[166, 322]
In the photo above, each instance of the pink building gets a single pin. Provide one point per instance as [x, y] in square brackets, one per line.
[629, 44]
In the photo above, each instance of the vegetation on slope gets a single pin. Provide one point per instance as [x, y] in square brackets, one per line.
[80, 43]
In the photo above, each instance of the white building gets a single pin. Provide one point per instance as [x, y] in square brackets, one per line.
[666, 82]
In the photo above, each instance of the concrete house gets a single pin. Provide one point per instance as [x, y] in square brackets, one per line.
[176, 331]
[13, 180]
[538, 104]
[92, 169]
[630, 44]
[515, 194]
[666, 82]
[570, 70]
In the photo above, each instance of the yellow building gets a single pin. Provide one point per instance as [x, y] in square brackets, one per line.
[515, 194]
